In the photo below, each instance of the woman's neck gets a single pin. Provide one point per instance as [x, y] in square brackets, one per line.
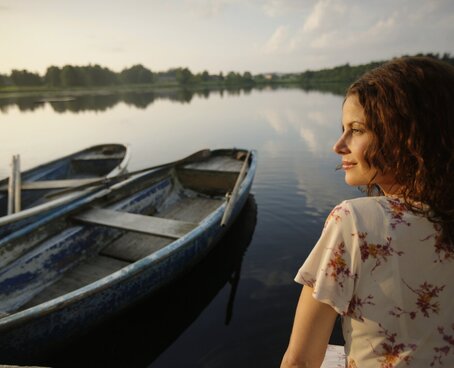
[392, 190]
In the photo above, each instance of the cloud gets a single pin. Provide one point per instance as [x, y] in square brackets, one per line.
[323, 21]
[208, 8]
[276, 8]
[278, 40]
[335, 32]
[273, 8]
[385, 25]
[431, 10]
[325, 15]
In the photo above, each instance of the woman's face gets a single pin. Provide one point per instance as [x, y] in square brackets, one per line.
[352, 145]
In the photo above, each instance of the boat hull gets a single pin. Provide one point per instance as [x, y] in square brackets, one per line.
[46, 326]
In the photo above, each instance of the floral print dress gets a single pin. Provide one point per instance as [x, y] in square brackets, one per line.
[385, 270]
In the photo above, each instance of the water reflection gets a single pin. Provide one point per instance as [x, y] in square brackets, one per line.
[140, 334]
[295, 187]
[78, 101]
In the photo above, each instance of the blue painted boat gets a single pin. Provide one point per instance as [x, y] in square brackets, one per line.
[130, 240]
[37, 187]
[138, 335]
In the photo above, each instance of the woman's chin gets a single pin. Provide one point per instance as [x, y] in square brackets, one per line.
[354, 182]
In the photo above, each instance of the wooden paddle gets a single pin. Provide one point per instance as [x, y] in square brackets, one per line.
[231, 199]
[106, 182]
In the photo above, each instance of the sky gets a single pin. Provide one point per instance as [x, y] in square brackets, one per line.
[259, 36]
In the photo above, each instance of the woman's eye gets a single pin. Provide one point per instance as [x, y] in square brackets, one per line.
[356, 131]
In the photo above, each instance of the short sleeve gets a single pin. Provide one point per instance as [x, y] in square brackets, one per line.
[331, 268]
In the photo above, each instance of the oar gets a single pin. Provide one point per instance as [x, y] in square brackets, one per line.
[232, 198]
[106, 182]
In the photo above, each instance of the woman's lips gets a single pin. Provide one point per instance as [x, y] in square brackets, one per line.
[346, 165]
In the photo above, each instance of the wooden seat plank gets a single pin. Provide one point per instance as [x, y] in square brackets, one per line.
[134, 246]
[138, 223]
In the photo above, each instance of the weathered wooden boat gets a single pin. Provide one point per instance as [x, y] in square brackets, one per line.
[138, 335]
[134, 238]
[27, 195]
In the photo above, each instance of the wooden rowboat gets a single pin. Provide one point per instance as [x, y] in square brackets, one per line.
[134, 238]
[138, 335]
[27, 195]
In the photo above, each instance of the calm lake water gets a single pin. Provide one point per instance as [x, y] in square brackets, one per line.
[236, 308]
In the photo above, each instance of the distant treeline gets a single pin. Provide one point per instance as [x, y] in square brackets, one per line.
[346, 74]
[332, 79]
[97, 76]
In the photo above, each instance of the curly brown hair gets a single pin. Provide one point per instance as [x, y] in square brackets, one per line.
[409, 108]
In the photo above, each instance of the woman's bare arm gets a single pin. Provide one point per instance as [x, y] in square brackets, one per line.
[311, 331]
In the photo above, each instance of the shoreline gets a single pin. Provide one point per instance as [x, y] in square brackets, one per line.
[63, 92]
[14, 91]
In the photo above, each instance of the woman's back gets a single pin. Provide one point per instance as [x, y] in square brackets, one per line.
[385, 270]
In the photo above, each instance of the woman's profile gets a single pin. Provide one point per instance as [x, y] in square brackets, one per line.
[385, 262]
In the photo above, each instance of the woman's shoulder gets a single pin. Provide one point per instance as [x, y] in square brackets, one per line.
[370, 203]
[367, 203]
[349, 211]
[379, 212]
[374, 209]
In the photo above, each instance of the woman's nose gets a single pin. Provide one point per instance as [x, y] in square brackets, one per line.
[340, 147]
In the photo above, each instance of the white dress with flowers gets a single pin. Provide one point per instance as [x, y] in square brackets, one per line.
[385, 270]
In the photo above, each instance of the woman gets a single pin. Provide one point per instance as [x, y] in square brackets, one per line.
[385, 263]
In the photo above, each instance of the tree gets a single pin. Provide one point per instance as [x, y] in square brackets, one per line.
[233, 78]
[95, 75]
[205, 76]
[4, 80]
[247, 78]
[184, 76]
[25, 78]
[70, 77]
[136, 74]
[52, 76]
